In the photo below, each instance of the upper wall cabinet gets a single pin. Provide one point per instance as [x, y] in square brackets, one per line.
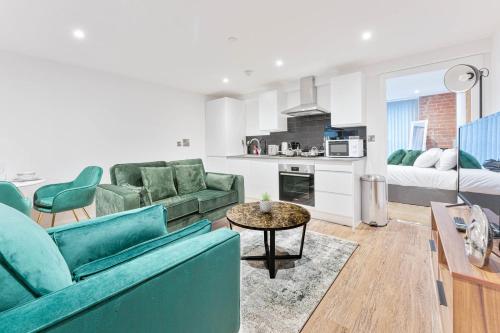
[224, 127]
[348, 99]
[271, 103]
[252, 118]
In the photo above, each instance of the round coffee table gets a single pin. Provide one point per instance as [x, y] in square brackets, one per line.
[283, 216]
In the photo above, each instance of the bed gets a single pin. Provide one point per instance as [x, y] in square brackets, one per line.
[482, 187]
[480, 181]
[420, 186]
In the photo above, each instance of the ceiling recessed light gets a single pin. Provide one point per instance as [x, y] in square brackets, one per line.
[79, 34]
[416, 91]
[278, 62]
[225, 80]
[366, 35]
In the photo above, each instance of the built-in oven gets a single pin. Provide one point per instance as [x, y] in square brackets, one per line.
[296, 183]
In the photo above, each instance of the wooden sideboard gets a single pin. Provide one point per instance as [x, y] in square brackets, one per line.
[468, 297]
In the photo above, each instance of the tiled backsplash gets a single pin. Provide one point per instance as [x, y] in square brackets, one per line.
[308, 131]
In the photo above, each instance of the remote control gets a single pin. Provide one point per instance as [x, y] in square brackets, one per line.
[460, 224]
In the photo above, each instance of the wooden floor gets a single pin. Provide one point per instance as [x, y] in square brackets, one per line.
[410, 213]
[385, 286]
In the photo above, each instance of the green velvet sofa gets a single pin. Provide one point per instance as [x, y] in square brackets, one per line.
[210, 203]
[118, 273]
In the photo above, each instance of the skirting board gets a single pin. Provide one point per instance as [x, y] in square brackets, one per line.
[420, 196]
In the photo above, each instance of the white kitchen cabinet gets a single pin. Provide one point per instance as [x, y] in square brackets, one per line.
[337, 188]
[252, 118]
[263, 177]
[348, 99]
[333, 181]
[236, 166]
[334, 203]
[271, 103]
[225, 127]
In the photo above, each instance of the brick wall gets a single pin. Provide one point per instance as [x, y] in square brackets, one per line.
[440, 111]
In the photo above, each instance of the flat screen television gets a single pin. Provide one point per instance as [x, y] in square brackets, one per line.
[478, 178]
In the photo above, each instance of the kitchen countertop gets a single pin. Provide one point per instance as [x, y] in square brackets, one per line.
[283, 157]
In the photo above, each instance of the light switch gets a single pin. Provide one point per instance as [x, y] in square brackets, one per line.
[185, 142]
[179, 143]
[371, 138]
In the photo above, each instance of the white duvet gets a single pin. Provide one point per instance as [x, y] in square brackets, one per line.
[471, 180]
[421, 177]
[480, 181]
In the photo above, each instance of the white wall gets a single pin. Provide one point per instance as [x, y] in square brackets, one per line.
[495, 71]
[55, 119]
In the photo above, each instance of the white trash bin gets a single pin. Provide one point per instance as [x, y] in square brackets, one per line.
[374, 200]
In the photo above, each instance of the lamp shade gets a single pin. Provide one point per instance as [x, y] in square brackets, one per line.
[461, 78]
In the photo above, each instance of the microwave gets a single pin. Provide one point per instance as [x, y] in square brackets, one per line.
[345, 148]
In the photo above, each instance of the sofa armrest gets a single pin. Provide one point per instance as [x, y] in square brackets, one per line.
[238, 185]
[113, 199]
[191, 286]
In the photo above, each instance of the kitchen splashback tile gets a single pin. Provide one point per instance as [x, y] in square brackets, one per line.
[308, 131]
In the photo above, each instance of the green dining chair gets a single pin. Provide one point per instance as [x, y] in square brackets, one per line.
[11, 196]
[79, 193]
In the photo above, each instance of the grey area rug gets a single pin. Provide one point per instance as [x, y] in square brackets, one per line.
[285, 303]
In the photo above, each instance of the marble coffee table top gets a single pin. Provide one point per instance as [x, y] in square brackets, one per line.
[282, 216]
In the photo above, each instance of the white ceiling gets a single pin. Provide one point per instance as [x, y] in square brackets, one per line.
[415, 85]
[184, 43]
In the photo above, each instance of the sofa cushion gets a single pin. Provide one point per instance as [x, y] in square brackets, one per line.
[159, 182]
[44, 202]
[212, 199]
[192, 161]
[29, 256]
[179, 206]
[131, 253]
[144, 195]
[14, 292]
[130, 173]
[217, 181]
[190, 178]
[110, 234]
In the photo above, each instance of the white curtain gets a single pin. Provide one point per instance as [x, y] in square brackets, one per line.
[400, 114]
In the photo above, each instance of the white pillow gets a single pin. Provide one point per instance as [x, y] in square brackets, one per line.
[448, 160]
[428, 158]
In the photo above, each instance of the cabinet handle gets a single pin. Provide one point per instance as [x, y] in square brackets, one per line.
[432, 245]
[441, 293]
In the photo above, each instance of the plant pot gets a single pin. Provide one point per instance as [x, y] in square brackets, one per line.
[265, 206]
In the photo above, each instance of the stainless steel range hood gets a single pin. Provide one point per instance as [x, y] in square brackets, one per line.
[308, 100]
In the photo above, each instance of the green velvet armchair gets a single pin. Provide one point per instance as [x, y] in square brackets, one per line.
[118, 273]
[79, 193]
[10, 196]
